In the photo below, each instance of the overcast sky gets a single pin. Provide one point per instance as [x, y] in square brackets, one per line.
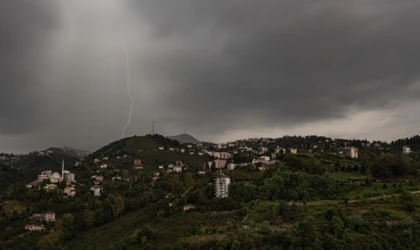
[218, 69]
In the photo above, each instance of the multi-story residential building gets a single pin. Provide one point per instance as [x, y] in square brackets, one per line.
[49, 216]
[221, 186]
[222, 155]
[406, 150]
[69, 177]
[220, 163]
[351, 152]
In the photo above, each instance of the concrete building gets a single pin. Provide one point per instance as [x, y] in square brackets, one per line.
[70, 191]
[351, 152]
[49, 216]
[97, 190]
[221, 186]
[264, 158]
[293, 150]
[222, 155]
[406, 150]
[177, 169]
[220, 163]
[231, 166]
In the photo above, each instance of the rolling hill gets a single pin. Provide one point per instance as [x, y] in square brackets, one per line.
[184, 138]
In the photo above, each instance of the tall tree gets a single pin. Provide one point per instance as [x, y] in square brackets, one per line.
[176, 184]
[118, 206]
[189, 180]
[89, 218]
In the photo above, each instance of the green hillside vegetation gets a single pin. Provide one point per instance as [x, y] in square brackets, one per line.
[316, 199]
[132, 145]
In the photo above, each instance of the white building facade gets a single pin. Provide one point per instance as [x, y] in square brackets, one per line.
[221, 186]
[351, 152]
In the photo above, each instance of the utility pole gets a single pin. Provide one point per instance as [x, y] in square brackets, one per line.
[153, 127]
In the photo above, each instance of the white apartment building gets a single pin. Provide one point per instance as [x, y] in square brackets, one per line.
[406, 150]
[221, 186]
[351, 152]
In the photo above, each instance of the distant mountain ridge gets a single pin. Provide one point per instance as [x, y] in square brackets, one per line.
[185, 138]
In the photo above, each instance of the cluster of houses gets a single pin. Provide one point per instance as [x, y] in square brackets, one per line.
[53, 179]
[35, 222]
[45, 153]
[8, 158]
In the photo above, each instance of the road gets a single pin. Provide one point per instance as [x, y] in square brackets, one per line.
[384, 196]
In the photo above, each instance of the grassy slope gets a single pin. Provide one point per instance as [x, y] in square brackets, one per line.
[169, 230]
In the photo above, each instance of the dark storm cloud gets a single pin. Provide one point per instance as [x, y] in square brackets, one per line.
[270, 63]
[24, 30]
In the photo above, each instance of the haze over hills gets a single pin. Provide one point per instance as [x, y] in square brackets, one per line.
[184, 138]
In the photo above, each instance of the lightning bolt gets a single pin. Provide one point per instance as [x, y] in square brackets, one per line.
[129, 89]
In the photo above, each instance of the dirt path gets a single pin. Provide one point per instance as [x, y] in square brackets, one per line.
[384, 196]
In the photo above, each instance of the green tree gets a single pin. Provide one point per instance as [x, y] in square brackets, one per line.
[176, 184]
[118, 206]
[236, 245]
[189, 181]
[336, 227]
[89, 218]
[67, 226]
[125, 175]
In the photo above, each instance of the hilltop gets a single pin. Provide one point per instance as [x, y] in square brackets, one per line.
[185, 138]
[133, 145]
[152, 150]
[68, 151]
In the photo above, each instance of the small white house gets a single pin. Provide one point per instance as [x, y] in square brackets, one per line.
[406, 150]
[264, 158]
[231, 166]
[177, 169]
[97, 190]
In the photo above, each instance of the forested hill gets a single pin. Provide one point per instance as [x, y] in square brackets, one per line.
[33, 164]
[132, 145]
[412, 142]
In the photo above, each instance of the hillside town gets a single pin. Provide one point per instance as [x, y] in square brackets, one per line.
[221, 170]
